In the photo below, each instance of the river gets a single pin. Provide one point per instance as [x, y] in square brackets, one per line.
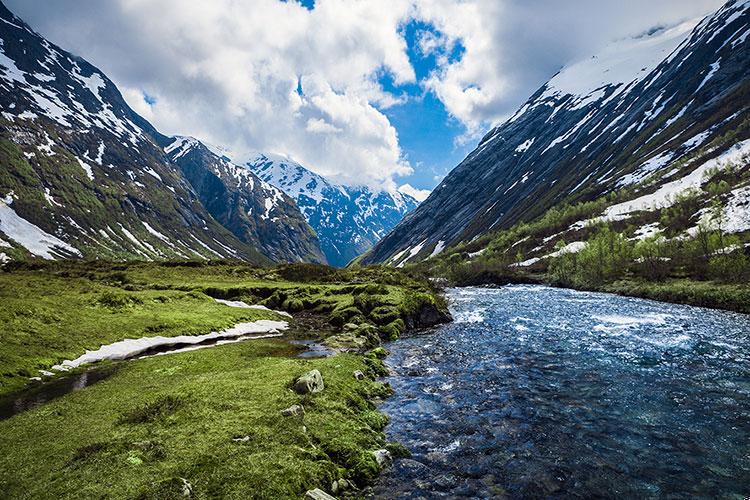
[542, 392]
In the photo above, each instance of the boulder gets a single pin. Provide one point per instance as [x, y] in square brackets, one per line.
[310, 382]
[318, 494]
[293, 411]
[383, 458]
[359, 375]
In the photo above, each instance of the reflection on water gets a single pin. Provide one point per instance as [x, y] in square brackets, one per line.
[542, 392]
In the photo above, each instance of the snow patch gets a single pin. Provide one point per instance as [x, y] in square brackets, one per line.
[132, 347]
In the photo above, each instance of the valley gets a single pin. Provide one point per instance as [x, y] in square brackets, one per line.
[195, 317]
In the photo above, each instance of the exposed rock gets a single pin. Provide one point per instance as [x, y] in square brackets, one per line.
[383, 458]
[309, 383]
[318, 494]
[341, 485]
[359, 375]
[429, 315]
[243, 439]
[293, 411]
[187, 488]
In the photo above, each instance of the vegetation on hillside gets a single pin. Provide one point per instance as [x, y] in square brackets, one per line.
[572, 245]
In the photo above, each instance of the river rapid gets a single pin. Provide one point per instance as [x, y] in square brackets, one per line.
[537, 392]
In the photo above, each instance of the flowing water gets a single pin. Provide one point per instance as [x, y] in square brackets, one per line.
[541, 392]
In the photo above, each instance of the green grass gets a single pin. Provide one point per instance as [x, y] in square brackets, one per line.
[728, 296]
[56, 311]
[176, 416]
[45, 319]
[160, 423]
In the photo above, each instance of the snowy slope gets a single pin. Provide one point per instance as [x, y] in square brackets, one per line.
[632, 117]
[255, 211]
[347, 219]
[84, 176]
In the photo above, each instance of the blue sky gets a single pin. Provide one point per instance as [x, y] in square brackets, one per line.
[427, 133]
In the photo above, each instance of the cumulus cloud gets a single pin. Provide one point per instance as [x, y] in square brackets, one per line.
[266, 75]
[513, 47]
[417, 194]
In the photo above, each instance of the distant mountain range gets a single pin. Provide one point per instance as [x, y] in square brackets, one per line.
[349, 220]
[638, 124]
[84, 176]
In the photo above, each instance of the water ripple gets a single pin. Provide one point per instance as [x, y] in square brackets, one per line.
[558, 393]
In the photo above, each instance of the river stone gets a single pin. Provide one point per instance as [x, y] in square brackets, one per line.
[359, 375]
[310, 382]
[318, 494]
[383, 458]
[293, 411]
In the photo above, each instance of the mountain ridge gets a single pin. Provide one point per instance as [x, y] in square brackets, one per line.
[85, 176]
[563, 147]
[347, 219]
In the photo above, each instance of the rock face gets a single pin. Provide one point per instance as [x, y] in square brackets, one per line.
[348, 220]
[254, 211]
[84, 176]
[643, 109]
[309, 383]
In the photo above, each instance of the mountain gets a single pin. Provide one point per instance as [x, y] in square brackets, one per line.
[642, 115]
[349, 220]
[254, 211]
[84, 176]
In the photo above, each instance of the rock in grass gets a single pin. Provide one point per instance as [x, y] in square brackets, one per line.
[310, 382]
[340, 486]
[293, 411]
[318, 494]
[383, 458]
[359, 375]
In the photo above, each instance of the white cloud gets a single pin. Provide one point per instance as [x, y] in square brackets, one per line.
[417, 194]
[513, 47]
[229, 71]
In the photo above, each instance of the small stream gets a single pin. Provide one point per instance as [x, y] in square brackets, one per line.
[536, 392]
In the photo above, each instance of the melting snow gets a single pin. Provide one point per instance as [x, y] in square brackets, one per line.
[522, 148]
[737, 212]
[244, 305]
[86, 168]
[31, 237]
[438, 248]
[132, 347]
[664, 196]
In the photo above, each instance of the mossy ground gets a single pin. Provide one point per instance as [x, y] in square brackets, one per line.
[176, 416]
[209, 418]
[56, 311]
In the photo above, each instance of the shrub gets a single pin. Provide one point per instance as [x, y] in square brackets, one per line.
[160, 407]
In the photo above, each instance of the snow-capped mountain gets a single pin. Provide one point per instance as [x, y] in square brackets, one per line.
[645, 112]
[253, 210]
[349, 220]
[84, 176]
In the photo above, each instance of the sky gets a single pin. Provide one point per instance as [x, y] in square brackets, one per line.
[391, 93]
